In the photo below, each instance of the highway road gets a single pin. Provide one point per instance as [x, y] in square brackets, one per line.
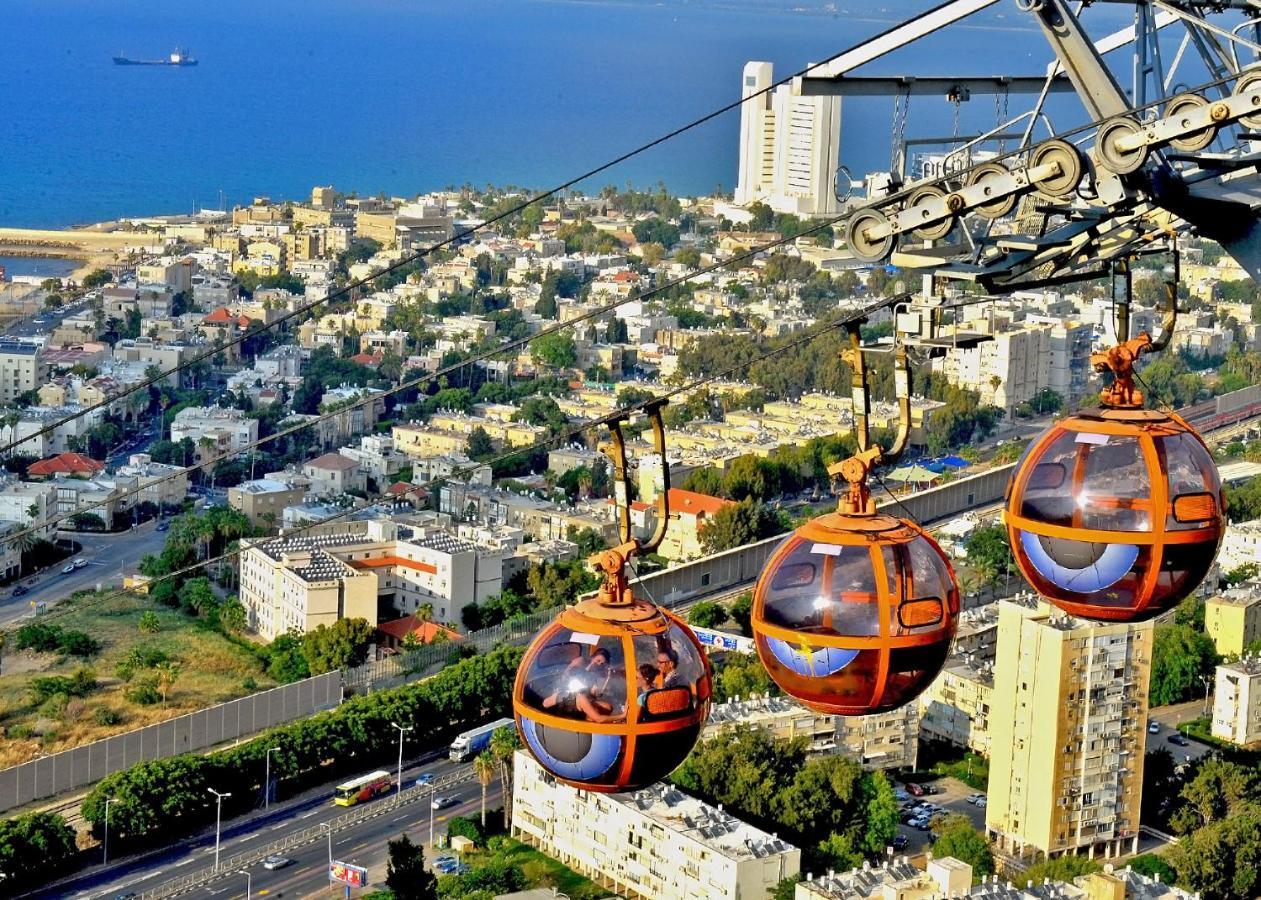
[362, 844]
[108, 557]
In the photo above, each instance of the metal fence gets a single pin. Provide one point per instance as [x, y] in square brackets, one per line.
[229, 865]
[82, 766]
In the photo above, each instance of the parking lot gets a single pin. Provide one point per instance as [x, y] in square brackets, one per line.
[952, 798]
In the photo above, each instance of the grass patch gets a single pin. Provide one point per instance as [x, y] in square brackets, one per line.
[940, 758]
[540, 870]
[212, 668]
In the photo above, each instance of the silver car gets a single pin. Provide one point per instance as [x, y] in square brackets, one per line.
[272, 863]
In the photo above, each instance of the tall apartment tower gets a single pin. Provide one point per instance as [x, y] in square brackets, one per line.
[1068, 723]
[789, 147]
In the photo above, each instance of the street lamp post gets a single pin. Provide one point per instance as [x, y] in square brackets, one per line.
[247, 882]
[401, 731]
[267, 778]
[432, 789]
[105, 843]
[218, 820]
[1206, 681]
[329, 870]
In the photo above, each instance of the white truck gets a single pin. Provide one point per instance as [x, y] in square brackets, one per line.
[475, 740]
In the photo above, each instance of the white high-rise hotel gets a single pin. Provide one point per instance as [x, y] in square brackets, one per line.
[788, 147]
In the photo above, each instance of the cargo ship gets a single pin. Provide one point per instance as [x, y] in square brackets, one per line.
[177, 58]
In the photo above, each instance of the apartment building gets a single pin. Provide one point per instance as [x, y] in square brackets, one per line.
[263, 500]
[956, 707]
[650, 844]
[789, 146]
[947, 877]
[1007, 370]
[689, 511]
[28, 503]
[10, 553]
[1240, 544]
[1068, 725]
[1237, 702]
[883, 741]
[1233, 618]
[161, 484]
[404, 567]
[226, 429]
[21, 369]
[419, 441]
[295, 584]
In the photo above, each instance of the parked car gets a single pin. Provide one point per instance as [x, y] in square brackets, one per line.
[972, 798]
[445, 861]
[20, 590]
[424, 779]
[80, 563]
[922, 824]
[983, 802]
[907, 816]
[67, 569]
[899, 794]
[272, 863]
[164, 525]
[1153, 728]
[444, 802]
[900, 842]
[1178, 740]
[916, 790]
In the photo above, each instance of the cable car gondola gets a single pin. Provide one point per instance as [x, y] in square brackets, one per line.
[613, 694]
[855, 611]
[1117, 513]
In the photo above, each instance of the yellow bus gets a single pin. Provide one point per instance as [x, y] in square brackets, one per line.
[362, 788]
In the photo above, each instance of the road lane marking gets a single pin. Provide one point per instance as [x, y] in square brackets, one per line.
[248, 837]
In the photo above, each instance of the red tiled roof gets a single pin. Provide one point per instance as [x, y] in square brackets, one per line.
[695, 504]
[425, 631]
[333, 461]
[367, 359]
[380, 562]
[220, 316]
[65, 463]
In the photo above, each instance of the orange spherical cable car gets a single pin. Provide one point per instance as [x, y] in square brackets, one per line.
[855, 611]
[1117, 513]
[613, 694]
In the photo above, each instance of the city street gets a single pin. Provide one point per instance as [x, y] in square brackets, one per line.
[362, 844]
[108, 557]
[1168, 717]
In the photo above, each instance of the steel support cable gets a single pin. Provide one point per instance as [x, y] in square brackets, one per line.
[618, 414]
[419, 381]
[348, 289]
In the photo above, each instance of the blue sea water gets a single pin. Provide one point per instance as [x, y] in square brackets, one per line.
[403, 96]
[45, 267]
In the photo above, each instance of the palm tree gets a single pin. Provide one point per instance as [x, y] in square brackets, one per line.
[484, 767]
[207, 443]
[503, 744]
[424, 612]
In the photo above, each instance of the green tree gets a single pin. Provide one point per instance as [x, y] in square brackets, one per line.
[837, 851]
[1181, 656]
[1060, 868]
[1154, 866]
[704, 481]
[707, 614]
[504, 744]
[737, 524]
[879, 812]
[342, 645]
[786, 889]
[479, 445]
[285, 660]
[740, 675]
[485, 767]
[555, 349]
[742, 613]
[1222, 861]
[990, 552]
[405, 873]
[956, 837]
[1216, 792]
[33, 848]
[656, 230]
[232, 616]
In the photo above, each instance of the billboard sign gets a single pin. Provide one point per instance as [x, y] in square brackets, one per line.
[352, 876]
[721, 640]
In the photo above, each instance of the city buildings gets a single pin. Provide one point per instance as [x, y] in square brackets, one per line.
[650, 844]
[956, 707]
[332, 475]
[263, 500]
[301, 582]
[21, 369]
[223, 430]
[882, 741]
[1067, 725]
[1233, 618]
[1241, 544]
[1237, 702]
[789, 146]
[689, 511]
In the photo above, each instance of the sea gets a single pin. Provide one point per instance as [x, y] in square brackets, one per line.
[404, 96]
